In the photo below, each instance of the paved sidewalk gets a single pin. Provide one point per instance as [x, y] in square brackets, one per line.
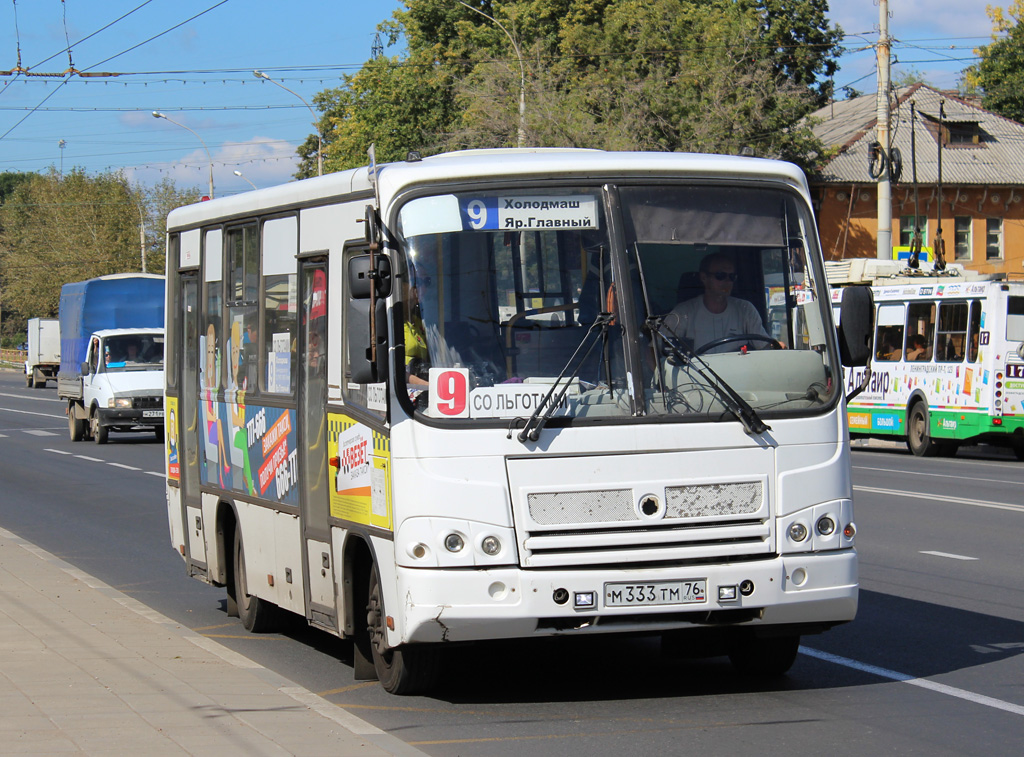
[85, 669]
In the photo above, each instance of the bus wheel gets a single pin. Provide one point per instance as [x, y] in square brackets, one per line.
[406, 670]
[919, 440]
[764, 657]
[76, 426]
[258, 615]
[1018, 450]
[99, 432]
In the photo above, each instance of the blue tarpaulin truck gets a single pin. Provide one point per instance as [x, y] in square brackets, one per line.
[111, 369]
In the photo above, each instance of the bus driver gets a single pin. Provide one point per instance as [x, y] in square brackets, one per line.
[716, 313]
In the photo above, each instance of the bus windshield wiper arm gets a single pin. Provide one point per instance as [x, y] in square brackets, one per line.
[728, 396]
[546, 407]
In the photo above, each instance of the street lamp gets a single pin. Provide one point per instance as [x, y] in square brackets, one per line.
[521, 135]
[158, 114]
[316, 121]
[243, 176]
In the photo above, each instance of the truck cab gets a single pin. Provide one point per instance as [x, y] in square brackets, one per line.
[122, 383]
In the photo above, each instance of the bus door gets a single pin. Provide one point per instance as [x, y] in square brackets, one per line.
[185, 428]
[314, 500]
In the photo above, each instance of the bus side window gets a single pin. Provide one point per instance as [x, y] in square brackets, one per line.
[952, 332]
[889, 333]
[920, 331]
[975, 330]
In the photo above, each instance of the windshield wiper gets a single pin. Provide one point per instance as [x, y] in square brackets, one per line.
[728, 396]
[546, 407]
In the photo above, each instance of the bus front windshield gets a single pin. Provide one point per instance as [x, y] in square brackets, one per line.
[707, 293]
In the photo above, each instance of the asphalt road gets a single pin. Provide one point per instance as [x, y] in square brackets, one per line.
[932, 664]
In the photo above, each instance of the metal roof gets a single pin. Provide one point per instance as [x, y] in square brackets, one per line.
[850, 125]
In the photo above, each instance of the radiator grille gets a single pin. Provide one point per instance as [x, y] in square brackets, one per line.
[713, 500]
[565, 508]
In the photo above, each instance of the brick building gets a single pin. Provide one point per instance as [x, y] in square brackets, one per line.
[982, 195]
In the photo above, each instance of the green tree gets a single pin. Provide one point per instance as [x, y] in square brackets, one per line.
[54, 230]
[1000, 72]
[710, 75]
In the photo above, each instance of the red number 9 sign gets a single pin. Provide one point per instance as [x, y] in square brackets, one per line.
[449, 392]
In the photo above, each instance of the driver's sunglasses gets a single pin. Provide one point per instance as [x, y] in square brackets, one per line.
[723, 275]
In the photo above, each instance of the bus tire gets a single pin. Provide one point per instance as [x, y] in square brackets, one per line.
[76, 425]
[919, 440]
[99, 431]
[768, 657]
[405, 670]
[257, 615]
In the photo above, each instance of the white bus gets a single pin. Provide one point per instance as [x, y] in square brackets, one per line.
[947, 364]
[439, 401]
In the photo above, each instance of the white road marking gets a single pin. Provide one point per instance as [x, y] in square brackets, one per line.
[905, 473]
[950, 555]
[161, 474]
[38, 432]
[942, 498]
[122, 465]
[29, 412]
[30, 397]
[923, 683]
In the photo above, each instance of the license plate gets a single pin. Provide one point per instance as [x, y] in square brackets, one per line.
[656, 593]
[152, 413]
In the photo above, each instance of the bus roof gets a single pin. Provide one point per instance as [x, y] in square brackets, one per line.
[475, 165]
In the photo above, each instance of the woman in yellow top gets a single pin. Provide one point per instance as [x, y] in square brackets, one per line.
[415, 341]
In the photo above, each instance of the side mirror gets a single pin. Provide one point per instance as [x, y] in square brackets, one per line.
[84, 368]
[364, 369]
[856, 326]
[362, 280]
[367, 317]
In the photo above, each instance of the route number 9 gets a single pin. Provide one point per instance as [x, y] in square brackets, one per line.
[477, 212]
[450, 392]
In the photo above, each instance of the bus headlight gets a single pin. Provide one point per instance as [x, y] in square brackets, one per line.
[454, 542]
[825, 525]
[797, 531]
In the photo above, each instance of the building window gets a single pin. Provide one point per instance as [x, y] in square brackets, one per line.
[962, 238]
[994, 239]
[907, 230]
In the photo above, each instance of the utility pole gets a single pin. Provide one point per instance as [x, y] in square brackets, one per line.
[884, 249]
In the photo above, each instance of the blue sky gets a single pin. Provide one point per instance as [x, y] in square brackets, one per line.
[193, 61]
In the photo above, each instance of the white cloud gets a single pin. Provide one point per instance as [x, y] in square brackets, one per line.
[264, 161]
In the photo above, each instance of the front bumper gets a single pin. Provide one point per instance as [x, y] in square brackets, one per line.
[130, 417]
[812, 589]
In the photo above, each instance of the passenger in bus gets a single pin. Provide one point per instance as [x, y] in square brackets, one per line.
[716, 313]
[973, 354]
[417, 356]
[917, 348]
[889, 341]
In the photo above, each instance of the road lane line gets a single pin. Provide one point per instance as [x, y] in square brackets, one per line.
[950, 555]
[29, 412]
[38, 432]
[923, 683]
[155, 473]
[29, 397]
[904, 473]
[122, 465]
[57, 451]
[90, 459]
[941, 498]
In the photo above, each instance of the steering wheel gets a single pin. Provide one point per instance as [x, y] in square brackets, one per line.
[776, 345]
